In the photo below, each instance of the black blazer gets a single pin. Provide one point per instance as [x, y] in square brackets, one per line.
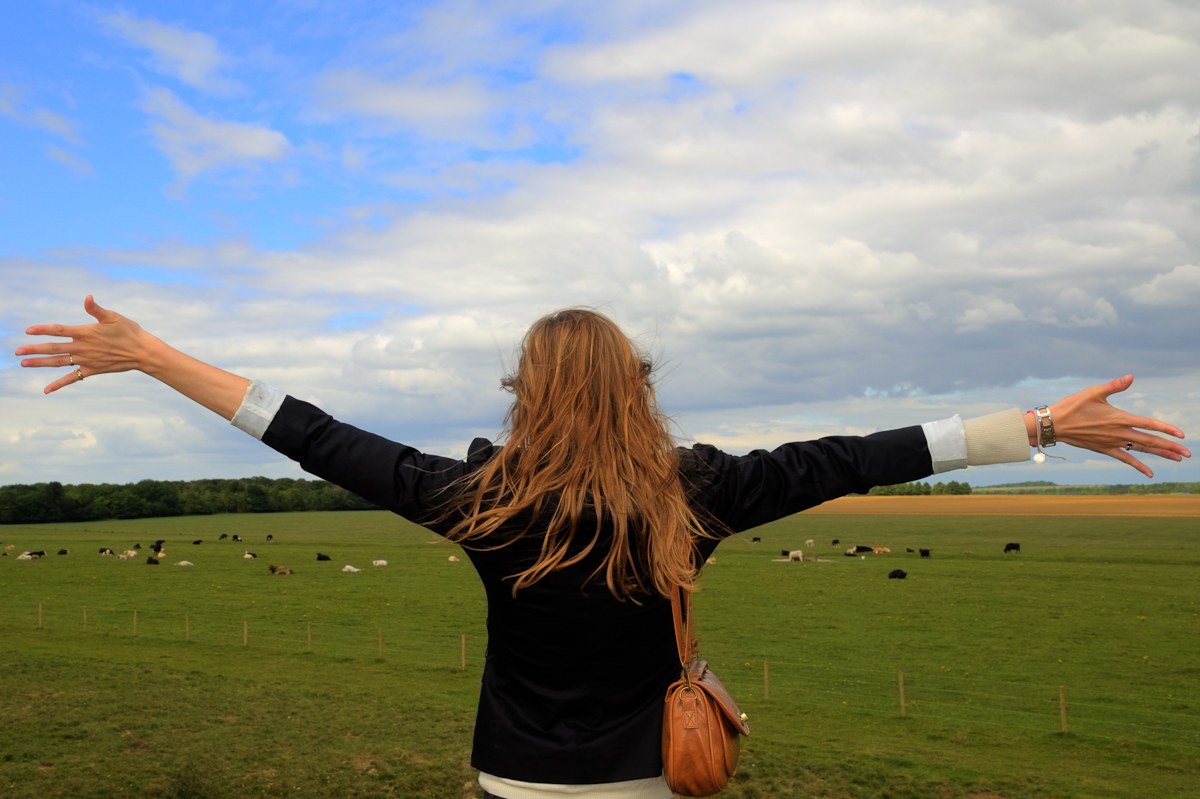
[574, 679]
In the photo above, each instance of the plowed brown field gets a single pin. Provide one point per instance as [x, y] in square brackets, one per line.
[1019, 505]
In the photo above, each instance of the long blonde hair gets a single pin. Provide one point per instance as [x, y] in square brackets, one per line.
[586, 440]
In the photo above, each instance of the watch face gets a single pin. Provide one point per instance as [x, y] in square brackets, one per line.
[1039, 458]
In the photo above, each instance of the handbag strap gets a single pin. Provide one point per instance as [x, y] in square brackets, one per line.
[681, 613]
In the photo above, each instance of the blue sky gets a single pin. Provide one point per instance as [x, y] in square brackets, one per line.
[821, 217]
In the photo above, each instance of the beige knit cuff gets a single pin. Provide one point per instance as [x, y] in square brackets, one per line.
[997, 438]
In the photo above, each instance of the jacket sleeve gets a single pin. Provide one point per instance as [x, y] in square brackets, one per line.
[744, 491]
[394, 476]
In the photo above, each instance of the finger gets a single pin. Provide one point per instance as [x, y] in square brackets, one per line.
[1124, 456]
[92, 307]
[62, 331]
[52, 348]
[1115, 386]
[55, 361]
[66, 380]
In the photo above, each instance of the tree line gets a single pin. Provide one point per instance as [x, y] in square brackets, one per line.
[54, 502]
[920, 489]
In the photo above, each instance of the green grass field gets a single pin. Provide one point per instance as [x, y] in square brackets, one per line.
[223, 680]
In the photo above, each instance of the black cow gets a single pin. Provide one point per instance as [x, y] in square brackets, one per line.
[860, 548]
[897, 574]
[270, 538]
[1012, 548]
[237, 538]
[198, 541]
[62, 551]
[151, 561]
[925, 553]
[223, 536]
[105, 551]
[41, 553]
[836, 542]
[755, 540]
[322, 557]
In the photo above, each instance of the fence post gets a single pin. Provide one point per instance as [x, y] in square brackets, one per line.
[900, 680]
[1062, 707]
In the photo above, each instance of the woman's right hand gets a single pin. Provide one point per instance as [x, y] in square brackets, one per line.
[112, 344]
[116, 344]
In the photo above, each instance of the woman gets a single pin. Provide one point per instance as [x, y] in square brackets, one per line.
[583, 520]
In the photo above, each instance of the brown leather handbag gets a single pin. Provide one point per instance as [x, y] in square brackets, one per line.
[702, 725]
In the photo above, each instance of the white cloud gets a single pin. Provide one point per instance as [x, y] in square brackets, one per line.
[196, 144]
[430, 104]
[191, 56]
[1179, 287]
[77, 165]
[12, 105]
[986, 312]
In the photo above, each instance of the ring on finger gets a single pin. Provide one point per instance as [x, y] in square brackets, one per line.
[79, 374]
[1129, 446]
[70, 359]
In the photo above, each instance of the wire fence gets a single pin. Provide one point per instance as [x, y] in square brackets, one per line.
[1163, 717]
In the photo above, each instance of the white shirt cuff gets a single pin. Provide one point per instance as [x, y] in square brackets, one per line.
[258, 408]
[947, 441]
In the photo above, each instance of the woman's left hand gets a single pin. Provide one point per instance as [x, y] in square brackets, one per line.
[1086, 420]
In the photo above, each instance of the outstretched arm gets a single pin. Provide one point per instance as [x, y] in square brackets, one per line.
[1086, 420]
[116, 344]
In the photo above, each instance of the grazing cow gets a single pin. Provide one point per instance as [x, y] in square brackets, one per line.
[452, 559]
[105, 551]
[270, 538]
[198, 541]
[249, 556]
[237, 538]
[349, 568]
[796, 555]
[897, 574]
[809, 543]
[62, 552]
[322, 557]
[184, 563]
[1012, 548]
[223, 536]
[279, 570]
[137, 546]
[158, 544]
[836, 542]
[908, 549]
[379, 563]
[756, 540]
[151, 561]
[925, 553]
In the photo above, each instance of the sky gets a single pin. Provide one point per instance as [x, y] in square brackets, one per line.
[819, 218]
